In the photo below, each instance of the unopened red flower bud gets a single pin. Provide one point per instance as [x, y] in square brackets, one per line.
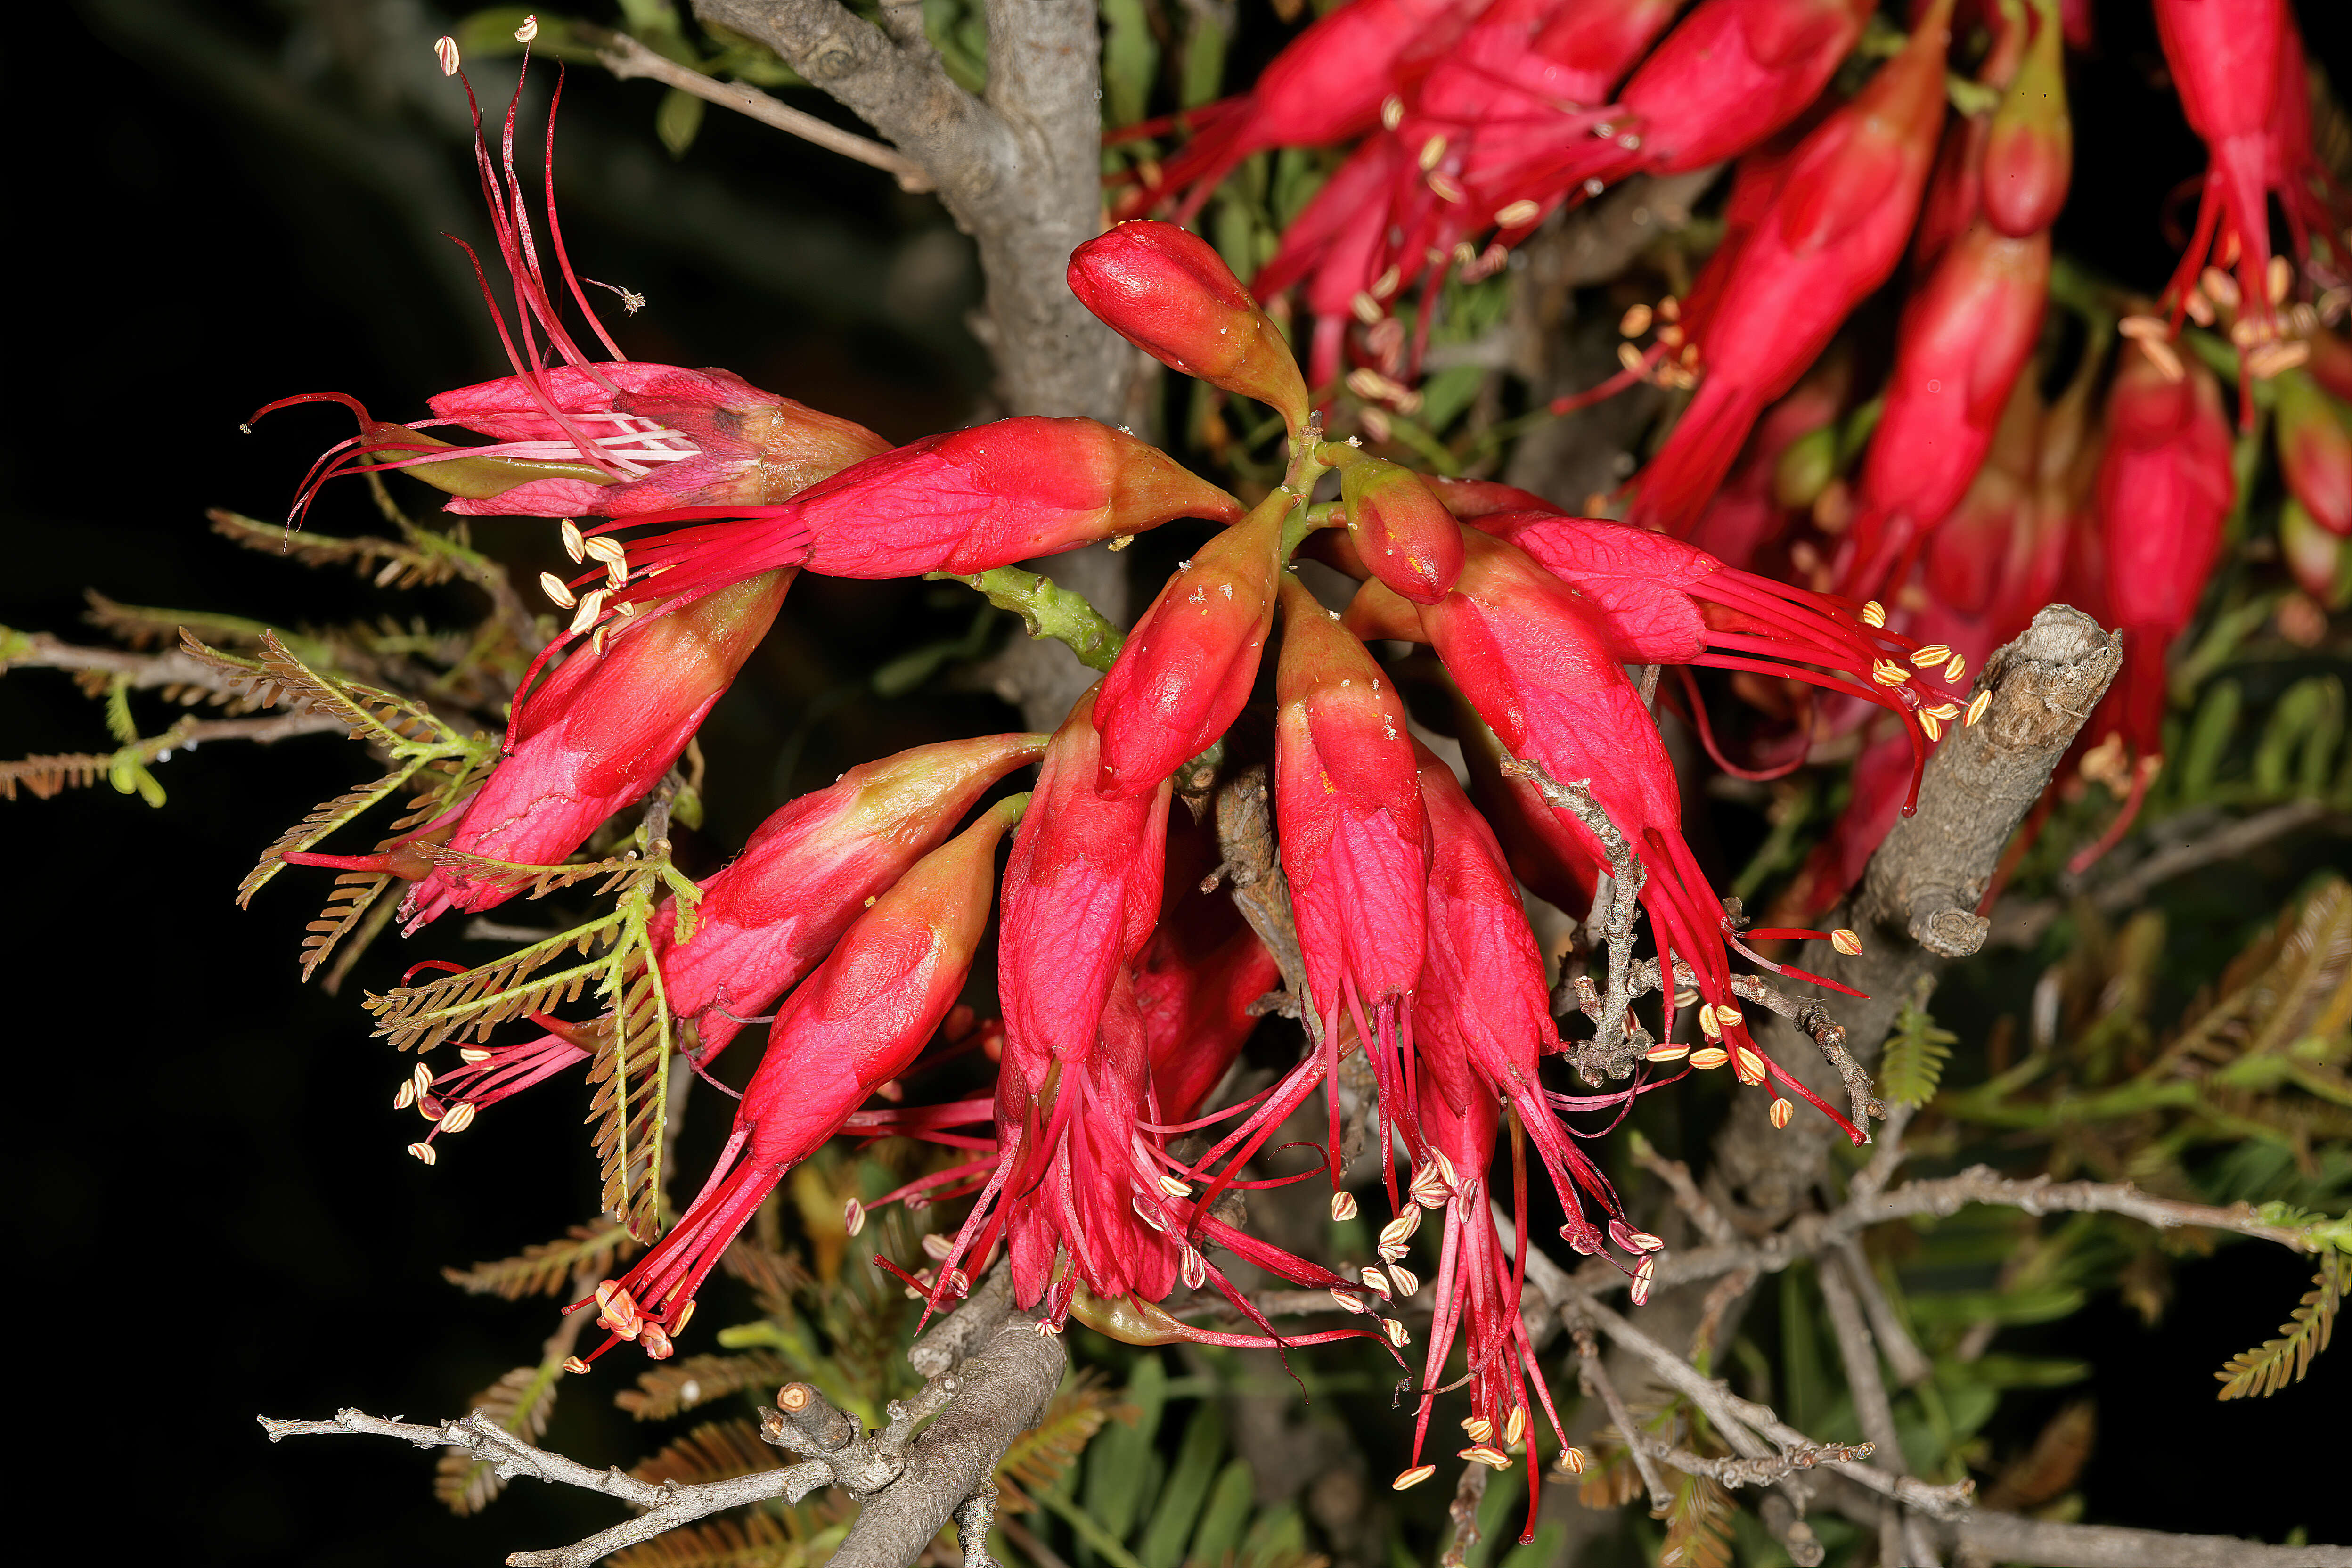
[1166, 290]
[1187, 668]
[2029, 154]
[2321, 561]
[1402, 532]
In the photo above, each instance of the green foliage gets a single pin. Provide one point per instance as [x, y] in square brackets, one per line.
[549, 1267]
[1915, 1053]
[520, 1402]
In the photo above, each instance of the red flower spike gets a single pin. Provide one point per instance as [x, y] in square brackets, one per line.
[2314, 450]
[1187, 668]
[596, 735]
[1402, 533]
[962, 502]
[1834, 234]
[2224, 58]
[857, 1022]
[1485, 1000]
[1082, 894]
[1540, 851]
[1354, 844]
[1170, 293]
[1754, 507]
[1965, 337]
[2165, 489]
[2028, 151]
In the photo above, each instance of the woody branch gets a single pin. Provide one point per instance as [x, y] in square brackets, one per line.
[989, 1374]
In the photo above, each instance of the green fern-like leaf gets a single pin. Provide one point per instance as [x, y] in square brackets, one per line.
[2271, 1366]
[759, 1542]
[394, 722]
[547, 1269]
[674, 1388]
[418, 1018]
[520, 1402]
[1915, 1053]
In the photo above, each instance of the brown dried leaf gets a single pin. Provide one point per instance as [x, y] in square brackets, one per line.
[758, 1542]
[714, 1451]
[673, 1387]
[519, 1402]
[547, 1268]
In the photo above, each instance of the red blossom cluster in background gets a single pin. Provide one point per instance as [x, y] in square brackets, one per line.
[692, 499]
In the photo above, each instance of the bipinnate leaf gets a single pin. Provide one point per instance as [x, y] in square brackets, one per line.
[1915, 1053]
[1039, 1456]
[757, 1541]
[1698, 1526]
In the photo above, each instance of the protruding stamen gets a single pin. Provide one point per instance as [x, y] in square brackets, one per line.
[1413, 1478]
[424, 1152]
[1518, 215]
[459, 1117]
[557, 589]
[1493, 1459]
[1343, 1206]
[1635, 321]
[1846, 941]
[1873, 614]
[1643, 1278]
[1396, 1332]
[1571, 1461]
[1408, 1283]
[1708, 1057]
[1781, 1112]
[853, 1216]
[445, 49]
[1976, 706]
[1667, 1052]
[1933, 653]
[1374, 1281]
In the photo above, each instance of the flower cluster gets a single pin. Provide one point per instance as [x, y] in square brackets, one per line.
[1389, 915]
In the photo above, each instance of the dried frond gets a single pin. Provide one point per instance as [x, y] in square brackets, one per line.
[1915, 1053]
[2271, 1366]
[323, 819]
[547, 1269]
[673, 1387]
[45, 776]
[774, 1276]
[630, 1070]
[145, 625]
[2051, 1467]
[759, 1542]
[1609, 1480]
[421, 1016]
[519, 1402]
[2293, 983]
[534, 882]
[381, 716]
[355, 893]
[1698, 1526]
[714, 1451]
[1039, 1456]
[393, 564]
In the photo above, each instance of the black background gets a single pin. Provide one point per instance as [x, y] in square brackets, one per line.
[212, 1212]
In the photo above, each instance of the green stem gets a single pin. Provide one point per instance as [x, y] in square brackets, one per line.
[1048, 610]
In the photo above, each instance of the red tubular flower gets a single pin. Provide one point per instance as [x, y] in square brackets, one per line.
[2165, 489]
[1484, 999]
[593, 737]
[2307, 189]
[855, 1022]
[584, 437]
[964, 501]
[768, 916]
[1401, 532]
[1196, 980]
[1834, 232]
[2315, 450]
[1187, 668]
[1476, 1291]
[2028, 151]
[1081, 896]
[1170, 293]
[1326, 86]
[1753, 508]
[2224, 58]
[1511, 89]
[1336, 243]
[1732, 73]
[1543, 674]
[1965, 336]
[1354, 846]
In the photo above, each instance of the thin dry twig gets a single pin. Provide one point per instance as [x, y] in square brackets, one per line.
[626, 58]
